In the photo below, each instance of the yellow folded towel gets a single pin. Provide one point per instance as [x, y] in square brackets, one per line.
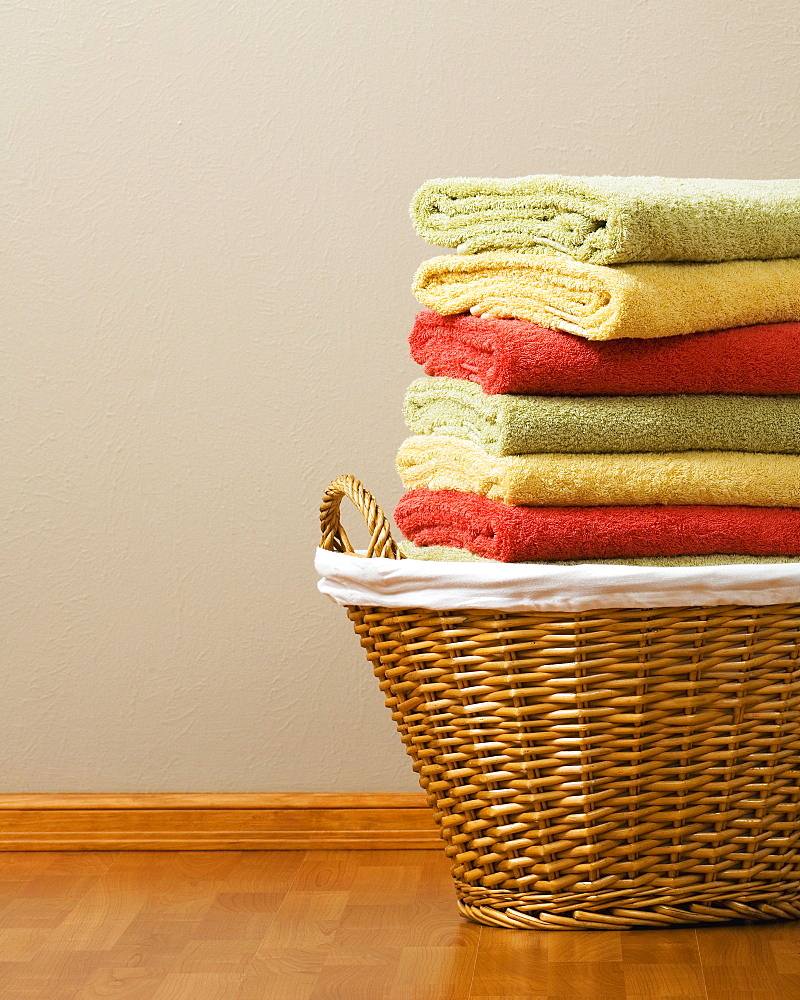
[604, 303]
[441, 462]
[444, 553]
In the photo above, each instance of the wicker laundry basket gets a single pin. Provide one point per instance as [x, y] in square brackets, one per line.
[606, 769]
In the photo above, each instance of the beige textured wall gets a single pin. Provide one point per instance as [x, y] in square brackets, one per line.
[205, 302]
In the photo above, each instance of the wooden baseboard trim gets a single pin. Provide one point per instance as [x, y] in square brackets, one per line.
[216, 822]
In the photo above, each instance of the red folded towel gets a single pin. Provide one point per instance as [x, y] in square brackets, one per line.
[511, 355]
[513, 534]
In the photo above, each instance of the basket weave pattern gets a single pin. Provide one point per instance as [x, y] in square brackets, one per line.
[603, 769]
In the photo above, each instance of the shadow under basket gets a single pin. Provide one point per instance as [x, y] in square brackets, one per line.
[606, 769]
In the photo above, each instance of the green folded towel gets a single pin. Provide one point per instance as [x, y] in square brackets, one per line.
[613, 220]
[444, 553]
[520, 425]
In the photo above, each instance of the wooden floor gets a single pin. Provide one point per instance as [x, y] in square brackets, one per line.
[356, 925]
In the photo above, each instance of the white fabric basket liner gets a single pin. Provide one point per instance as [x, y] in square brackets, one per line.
[449, 586]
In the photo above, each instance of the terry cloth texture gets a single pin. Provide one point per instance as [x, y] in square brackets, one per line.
[445, 553]
[519, 425]
[495, 530]
[605, 303]
[496, 586]
[511, 355]
[722, 478]
[613, 220]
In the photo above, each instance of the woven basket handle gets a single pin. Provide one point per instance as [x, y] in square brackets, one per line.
[334, 537]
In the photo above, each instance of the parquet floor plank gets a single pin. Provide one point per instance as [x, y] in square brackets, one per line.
[324, 925]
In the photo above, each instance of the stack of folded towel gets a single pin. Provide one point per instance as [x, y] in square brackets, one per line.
[613, 372]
